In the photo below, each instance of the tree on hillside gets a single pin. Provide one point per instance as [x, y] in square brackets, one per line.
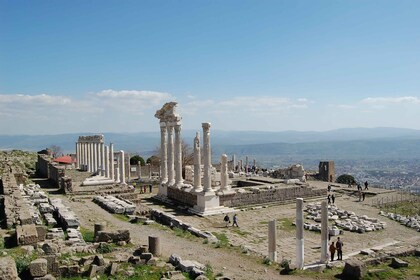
[134, 160]
[346, 179]
[55, 150]
[153, 160]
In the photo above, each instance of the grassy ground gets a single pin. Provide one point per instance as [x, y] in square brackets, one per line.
[410, 208]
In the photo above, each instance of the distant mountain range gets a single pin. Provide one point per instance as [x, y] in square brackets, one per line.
[351, 143]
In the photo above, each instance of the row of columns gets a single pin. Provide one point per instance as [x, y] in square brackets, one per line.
[272, 234]
[90, 156]
[171, 153]
[98, 157]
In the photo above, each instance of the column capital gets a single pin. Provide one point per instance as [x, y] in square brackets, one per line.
[206, 125]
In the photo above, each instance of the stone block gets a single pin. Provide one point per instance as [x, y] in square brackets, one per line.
[26, 234]
[92, 271]
[99, 260]
[354, 269]
[366, 252]
[46, 277]
[146, 256]
[50, 248]
[398, 263]
[8, 269]
[113, 269]
[38, 268]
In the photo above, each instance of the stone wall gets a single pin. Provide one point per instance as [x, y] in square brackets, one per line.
[326, 171]
[47, 168]
[262, 196]
[182, 197]
[15, 211]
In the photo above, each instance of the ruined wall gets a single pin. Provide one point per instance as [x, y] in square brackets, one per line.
[182, 197]
[326, 171]
[262, 196]
[45, 167]
[14, 211]
[42, 165]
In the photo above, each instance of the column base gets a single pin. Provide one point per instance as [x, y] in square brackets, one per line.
[208, 204]
[163, 190]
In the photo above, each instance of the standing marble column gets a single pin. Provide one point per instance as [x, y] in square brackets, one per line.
[100, 159]
[95, 157]
[77, 155]
[171, 171]
[122, 167]
[163, 154]
[197, 164]
[234, 163]
[241, 165]
[178, 156]
[85, 156]
[324, 232]
[246, 164]
[128, 167]
[90, 154]
[111, 162]
[207, 157]
[139, 170]
[272, 241]
[299, 233]
[224, 174]
[103, 160]
[106, 159]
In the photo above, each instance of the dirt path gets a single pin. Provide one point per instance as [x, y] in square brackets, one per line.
[231, 263]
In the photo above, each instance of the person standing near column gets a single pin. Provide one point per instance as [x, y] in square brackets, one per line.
[339, 245]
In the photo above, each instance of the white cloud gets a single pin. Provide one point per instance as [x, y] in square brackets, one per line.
[108, 110]
[391, 100]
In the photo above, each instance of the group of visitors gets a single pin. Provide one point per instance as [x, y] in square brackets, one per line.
[143, 189]
[338, 246]
[226, 219]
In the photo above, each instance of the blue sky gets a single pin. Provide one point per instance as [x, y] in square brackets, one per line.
[107, 66]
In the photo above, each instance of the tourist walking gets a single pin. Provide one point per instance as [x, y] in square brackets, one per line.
[339, 246]
[329, 199]
[150, 188]
[235, 221]
[227, 220]
[363, 195]
[332, 250]
[144, 188]
[366, 186]
[333, 199]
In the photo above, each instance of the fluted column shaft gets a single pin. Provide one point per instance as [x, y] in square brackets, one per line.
[122, 167]
[324, 232]
[77, 155]
[197, 164]
[106, 159]
[299, 233]
[111, 162]
[207, 157]
[163, 154]
[224, 174]
[171, 171]
[178, 156]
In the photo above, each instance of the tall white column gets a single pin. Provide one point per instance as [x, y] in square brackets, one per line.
[171, 179]
[224, 174]
[100, 167]
[128, 167]
[197, 164]
[103, 160]
[85, 156]
[77, 155]
[272, 241]
[178, 156]
[246, 164]
[111, 162]
[299, 233]
[234, 163]
[106, 159]
[95, 157]
[324, 232]
[163, 154]
[122, 167]
[90, 156]
[207, 157]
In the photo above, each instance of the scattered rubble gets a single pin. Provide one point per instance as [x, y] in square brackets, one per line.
[408, 221]
[115, 205]
[346, 220]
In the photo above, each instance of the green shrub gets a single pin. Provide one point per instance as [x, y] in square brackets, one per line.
[105, 248]
[88, 235]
